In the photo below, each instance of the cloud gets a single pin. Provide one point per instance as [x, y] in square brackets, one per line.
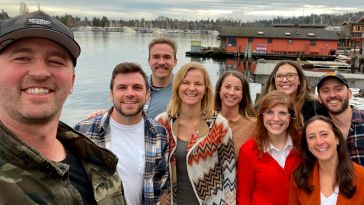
[186, 9]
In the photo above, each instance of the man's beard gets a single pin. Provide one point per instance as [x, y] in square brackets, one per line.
[121, 112]
[344, 106]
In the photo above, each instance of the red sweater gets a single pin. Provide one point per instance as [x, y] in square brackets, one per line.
[261, 180]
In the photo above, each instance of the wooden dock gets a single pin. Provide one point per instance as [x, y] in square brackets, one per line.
[263, 70]
[248, 55]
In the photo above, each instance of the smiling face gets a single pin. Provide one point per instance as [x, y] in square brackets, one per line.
[36, 76]
[162, 60]
[276, 120]
[129, 95]
[192, 88]
[335, 96]
[288, 86]
[231, 92]
[322, 141]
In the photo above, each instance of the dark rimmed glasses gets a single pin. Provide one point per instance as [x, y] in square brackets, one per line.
[289, 76]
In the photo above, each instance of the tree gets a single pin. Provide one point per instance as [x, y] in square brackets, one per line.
[3, 15]
[105, 22]
[23, 8]
[95, 21]
[70, 21]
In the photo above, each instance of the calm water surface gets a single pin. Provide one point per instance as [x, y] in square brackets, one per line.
[101, 51]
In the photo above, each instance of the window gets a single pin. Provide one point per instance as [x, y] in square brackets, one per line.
[231, 41]
[270, 40]
[313, 42]
[287, 33]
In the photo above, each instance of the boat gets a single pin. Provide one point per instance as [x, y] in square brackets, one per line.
[143, 30]
[342, 58]
[326, 65]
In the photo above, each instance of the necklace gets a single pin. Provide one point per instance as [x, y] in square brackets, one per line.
[185, 129]
[235, 119]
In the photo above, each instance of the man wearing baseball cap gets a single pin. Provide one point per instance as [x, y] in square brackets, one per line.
[42, 160]
[334, 94]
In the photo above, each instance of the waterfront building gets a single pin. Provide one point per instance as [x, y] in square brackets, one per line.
[280, 40]
[351, 36]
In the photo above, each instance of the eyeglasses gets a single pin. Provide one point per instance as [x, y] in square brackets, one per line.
[289, 76]
[270, 114]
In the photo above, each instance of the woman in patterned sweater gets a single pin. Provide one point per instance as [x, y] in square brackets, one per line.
[202, 160]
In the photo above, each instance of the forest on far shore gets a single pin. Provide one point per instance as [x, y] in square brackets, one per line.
[203, 24]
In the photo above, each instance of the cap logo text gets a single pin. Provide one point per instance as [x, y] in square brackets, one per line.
[39, 21]
[6, 42]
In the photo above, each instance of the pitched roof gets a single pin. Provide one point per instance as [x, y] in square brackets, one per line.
[279, 32]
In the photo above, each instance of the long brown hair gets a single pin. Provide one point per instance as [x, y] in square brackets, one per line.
[303, 91]
[344, 173]
[267, 102]
[246, 108]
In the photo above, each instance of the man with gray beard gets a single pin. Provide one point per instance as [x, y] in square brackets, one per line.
[334, 94]
[140, 143]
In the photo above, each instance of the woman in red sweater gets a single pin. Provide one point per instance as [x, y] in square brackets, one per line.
[267, 160]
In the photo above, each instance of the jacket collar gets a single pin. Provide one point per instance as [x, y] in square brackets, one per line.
[17, 152]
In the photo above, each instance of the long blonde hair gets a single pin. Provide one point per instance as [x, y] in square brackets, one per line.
[207, 103]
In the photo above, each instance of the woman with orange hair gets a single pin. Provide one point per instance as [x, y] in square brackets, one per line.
[267, 160]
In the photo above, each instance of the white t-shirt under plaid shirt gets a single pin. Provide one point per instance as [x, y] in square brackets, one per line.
[128, 144]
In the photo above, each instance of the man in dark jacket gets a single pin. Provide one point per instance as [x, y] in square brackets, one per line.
[42, 160]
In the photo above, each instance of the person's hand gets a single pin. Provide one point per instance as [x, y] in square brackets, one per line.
[165, 199]
[94, 114]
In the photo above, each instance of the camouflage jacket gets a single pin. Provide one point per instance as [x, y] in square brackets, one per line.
[27, 177]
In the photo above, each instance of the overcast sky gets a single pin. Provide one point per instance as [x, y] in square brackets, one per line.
[247, 10]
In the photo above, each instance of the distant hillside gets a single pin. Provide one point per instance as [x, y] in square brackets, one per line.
[205, 24]
[325, 19]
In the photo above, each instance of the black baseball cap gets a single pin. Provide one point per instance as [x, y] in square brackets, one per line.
[336, 75]
[38, 24]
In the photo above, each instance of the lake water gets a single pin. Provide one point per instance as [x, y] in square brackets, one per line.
[101, 51]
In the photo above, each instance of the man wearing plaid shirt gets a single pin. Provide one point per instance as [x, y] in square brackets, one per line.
[140, 143]
[334, 94]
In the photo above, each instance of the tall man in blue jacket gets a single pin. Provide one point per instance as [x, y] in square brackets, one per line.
[140, 142]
